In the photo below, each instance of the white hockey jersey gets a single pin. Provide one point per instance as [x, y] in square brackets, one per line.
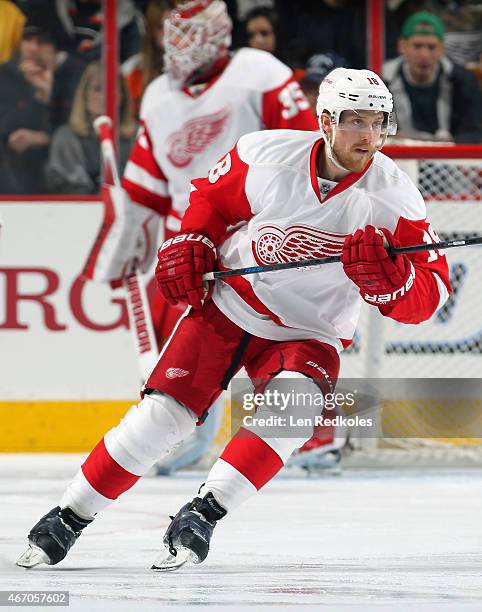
[268, 186]
[183, 135]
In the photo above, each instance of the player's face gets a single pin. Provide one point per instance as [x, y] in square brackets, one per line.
[30, 48]
[260, 34]
[422, 54]
[35, 49]
[358, 137]
[94, 97]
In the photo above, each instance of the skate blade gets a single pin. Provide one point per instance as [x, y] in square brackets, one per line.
[32, 556]
[166, 562]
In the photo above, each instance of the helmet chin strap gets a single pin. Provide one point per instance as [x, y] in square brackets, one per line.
[329, 148]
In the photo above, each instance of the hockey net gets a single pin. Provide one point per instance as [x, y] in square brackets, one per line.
[429, 409]
[428, 378]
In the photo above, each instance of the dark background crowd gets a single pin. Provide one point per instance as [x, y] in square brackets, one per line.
[51, 85]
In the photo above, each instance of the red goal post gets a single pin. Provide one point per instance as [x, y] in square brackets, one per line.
[441, 171]
[433, 150]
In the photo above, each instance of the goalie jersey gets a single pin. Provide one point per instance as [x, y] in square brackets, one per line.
[267, 188]
[184, 132]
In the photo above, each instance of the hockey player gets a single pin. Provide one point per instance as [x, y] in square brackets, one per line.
[206, 100]
[195, 112]
[289, 194]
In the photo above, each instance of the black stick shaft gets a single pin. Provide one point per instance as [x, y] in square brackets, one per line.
[416, 248]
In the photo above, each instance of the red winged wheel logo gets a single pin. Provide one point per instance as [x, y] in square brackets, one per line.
[274, 244]
[194, 137]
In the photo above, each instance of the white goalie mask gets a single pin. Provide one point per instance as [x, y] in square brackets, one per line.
[195, 34]
[345, 89]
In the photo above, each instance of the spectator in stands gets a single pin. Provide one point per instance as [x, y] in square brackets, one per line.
[262, 27]
[26, 84]
[12, 21]
[78, 25]
[317, 67]
[68, 70]
[142, 68]
[434, 98]
[462, 20]
[74, 164]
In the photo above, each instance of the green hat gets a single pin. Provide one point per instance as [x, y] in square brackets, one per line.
[423, 24]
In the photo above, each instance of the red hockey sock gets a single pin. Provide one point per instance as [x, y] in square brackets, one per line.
[252, 457]
[105, 475]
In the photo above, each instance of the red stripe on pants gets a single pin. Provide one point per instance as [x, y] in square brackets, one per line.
[250, 455]
[105, 475]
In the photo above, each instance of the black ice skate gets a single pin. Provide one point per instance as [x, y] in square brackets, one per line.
[188, 536]
[52, 537]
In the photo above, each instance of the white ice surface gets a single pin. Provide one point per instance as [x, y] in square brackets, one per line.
[367, 540]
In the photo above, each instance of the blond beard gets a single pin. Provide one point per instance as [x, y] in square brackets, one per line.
[353, 165]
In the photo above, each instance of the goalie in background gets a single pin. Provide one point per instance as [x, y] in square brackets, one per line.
[289, 195]
[190, 116]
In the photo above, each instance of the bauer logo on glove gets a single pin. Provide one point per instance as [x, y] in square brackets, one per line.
[182, 261]
[381, 278]
[187, 238]
[385, 298]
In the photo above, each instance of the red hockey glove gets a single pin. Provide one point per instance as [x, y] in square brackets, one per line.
[181, 263]
[380, 277]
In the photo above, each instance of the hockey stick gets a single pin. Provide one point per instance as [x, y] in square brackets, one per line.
[416, 248]
[140, 321]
